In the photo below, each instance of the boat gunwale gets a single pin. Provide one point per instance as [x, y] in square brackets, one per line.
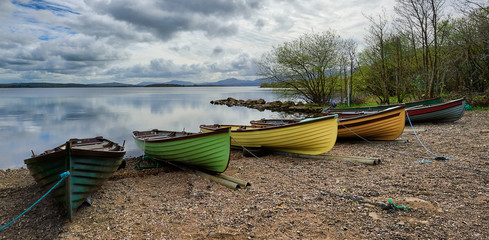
[268, 127]
[371, 108]
[369, 121]
[340, 120]
[420, 107]
[176, 138]
[373, 114]
[79, 152]
[287, 120]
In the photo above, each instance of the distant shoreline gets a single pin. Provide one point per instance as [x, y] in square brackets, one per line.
[69, 85]
[230, 82]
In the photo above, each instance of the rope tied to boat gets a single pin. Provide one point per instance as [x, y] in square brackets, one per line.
[398, 207]
[357, 199]
[437, 157]
[63, 177]
[370, 142]
[440, 158]
[425, 159]
[145, 157]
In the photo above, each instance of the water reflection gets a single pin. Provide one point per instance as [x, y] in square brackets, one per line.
[40, 119]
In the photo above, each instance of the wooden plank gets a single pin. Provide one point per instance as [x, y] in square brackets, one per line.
[225, 180]
[364, 160]
[410, 130]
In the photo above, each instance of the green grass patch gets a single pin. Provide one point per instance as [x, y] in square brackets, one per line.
[481, 108]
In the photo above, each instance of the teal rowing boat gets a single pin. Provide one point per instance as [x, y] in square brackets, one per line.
[90, 162]
[443, 112]
[208, 151]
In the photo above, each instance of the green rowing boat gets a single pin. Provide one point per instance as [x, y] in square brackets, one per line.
[90, 161]
[208, 151]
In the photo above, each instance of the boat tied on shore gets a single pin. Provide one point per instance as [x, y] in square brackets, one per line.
[208, 151]
[383, 125]
[449, 111]
[314, 136]
[90, 162]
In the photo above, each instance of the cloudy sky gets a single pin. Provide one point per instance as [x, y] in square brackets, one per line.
[129, 41]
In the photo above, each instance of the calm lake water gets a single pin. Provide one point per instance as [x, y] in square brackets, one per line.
[39, 119]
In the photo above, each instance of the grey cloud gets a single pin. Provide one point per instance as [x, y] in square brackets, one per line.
[162, 65]
[219, 31]
[15, 40]
[240, 63]
[244, 64]
[103, 35]
[210, 7]
[73, 55]
[283, 22]
[157, 68]
[165, 19]
[6, 9]
[102, 26]
[185, 48]
[84, 48]
[243, 61]
[31, 75]
[161, 24]
[164, 68]
[260, 23]
[217, 51]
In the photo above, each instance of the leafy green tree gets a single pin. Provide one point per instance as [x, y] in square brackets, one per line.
[468, 51]
[308, 67]
[421, 20]
[373, 57]
[397, 46]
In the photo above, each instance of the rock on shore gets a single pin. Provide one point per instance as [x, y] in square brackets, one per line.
[276, 106]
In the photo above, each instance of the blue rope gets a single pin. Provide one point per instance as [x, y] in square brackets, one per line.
[483, 173]
[419, 140]
[62, 175]
[415, 134]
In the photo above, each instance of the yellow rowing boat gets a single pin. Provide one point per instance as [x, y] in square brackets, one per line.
[386, 124]
[312, 136]
[383, 125]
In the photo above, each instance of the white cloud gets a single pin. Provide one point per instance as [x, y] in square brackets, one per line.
[146, 40]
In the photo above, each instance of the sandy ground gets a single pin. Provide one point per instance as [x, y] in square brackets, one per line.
[289, 198]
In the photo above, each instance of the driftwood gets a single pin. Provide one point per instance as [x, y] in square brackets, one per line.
[364, 160]
[411, 131]
[225, 180]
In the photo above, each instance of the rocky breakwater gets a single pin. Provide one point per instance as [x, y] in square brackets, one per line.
[276, 106]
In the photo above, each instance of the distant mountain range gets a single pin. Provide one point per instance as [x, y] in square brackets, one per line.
[226, 82]
[174, 83]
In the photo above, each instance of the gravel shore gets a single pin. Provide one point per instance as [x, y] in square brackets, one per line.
[289, 198]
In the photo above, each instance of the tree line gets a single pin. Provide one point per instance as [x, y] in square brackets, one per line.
[421, 52]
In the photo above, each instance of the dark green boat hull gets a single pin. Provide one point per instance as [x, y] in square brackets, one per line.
[88, 171]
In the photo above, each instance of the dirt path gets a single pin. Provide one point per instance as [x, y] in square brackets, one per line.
[290, 198]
